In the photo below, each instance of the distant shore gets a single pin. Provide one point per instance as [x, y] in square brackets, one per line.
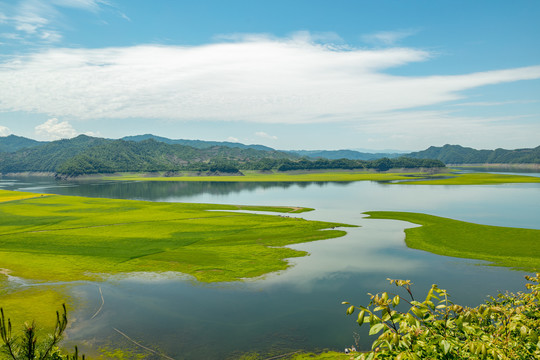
[497, 166]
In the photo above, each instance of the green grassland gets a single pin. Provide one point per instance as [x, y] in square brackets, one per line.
[476, 179]
[289, 176]
[51, 238]
[419, 178]
[503, 246]
[64, 238]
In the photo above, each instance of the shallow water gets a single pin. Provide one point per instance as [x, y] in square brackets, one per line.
[299, 308]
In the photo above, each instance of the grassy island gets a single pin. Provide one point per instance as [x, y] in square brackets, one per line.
[395, 177]
[56, 237]
[504, 246]
[476, 179]
[51, 238]
[276, 176]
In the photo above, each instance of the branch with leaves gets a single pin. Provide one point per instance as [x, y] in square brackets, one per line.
[505, 327]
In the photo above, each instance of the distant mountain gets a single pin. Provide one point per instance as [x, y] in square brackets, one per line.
[199, 144]
[89, 155]
[383, 151]
[147, 153]
[456, 154]
[13, 143]
[47, 156]
[342, 154]
[151, 155]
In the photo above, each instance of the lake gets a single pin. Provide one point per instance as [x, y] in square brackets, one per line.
[299, 308]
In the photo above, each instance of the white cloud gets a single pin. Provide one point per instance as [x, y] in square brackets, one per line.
[255, 79]
[496, 103]
[388, 37]
[11, 36]
[232, 139]
[264, 135]
[39, 19]
[4, 131]
[88, 5]
[53, 129]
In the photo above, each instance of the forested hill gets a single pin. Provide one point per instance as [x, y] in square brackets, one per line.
[89, 155]
[85, 155]
[199, 144]
[456, 154]
[46, 157]
[13, 143]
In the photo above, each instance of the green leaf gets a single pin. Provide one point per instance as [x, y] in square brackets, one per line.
[375, 329]
[416, 311]
[446, 346]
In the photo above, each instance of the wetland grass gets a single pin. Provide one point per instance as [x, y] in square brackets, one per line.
[289, 176]
[52, 238]
[65, 238]
[503, 246]
[477, 179]
[402, 178]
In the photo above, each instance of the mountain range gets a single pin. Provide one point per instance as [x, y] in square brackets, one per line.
[86, 155]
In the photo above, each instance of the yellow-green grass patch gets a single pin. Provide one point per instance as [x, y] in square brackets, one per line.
[503, 246]
[37, 304]
[476, 179]
[290, 176]
[407, 178]
[6, 195]
[71, 238]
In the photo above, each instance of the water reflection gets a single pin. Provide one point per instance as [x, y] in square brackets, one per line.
[145, 190]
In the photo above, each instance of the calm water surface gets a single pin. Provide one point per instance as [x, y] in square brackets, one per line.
[299, 308]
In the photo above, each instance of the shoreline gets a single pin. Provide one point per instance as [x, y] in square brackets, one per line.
[497, 166]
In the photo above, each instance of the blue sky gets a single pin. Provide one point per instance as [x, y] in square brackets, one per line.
[301, 74]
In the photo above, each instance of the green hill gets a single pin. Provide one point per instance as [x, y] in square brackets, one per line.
[13, 143]
[199, 144]
[148, 153]
[89, 155]
[46, 157]
[456, 154]
[151, 155]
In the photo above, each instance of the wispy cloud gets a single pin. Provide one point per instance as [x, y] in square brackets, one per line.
[497, 103]
[4, 131]
[232, 139]
[255, 79]
[264, 135]
[88, 5]
[388, 38]
[38, 20]
[53, 129]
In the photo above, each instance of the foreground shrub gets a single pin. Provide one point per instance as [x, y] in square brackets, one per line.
[27, 346]
[505, 327]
